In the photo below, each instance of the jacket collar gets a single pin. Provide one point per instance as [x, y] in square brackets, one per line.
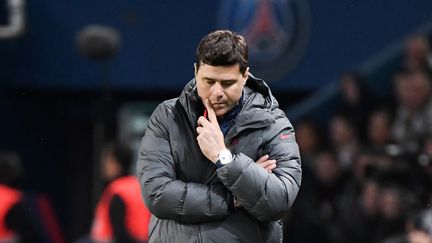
[256, 109]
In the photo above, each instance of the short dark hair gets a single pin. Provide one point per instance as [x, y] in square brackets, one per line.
[223, 48]
[11, 171]
[121, 153]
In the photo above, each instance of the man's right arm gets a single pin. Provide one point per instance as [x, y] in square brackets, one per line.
[165, 195]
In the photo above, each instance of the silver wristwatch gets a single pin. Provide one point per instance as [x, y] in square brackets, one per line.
[224, 158]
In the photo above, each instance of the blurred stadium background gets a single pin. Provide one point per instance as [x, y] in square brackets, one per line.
[57, 105]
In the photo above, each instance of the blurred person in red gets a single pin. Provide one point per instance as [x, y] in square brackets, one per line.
[121, 215]
[16, 223]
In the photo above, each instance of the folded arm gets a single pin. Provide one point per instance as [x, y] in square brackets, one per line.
[165, 195]
[267, 196]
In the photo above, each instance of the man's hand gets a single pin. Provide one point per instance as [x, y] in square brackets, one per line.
[266, 163]
[210, 137]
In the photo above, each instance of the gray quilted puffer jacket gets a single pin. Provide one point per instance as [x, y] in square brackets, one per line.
[191, 200]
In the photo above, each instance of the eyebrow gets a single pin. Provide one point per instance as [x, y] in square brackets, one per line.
[221, 80]
[207, 78]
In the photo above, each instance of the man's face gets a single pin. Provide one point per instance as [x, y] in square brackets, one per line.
[222, 85]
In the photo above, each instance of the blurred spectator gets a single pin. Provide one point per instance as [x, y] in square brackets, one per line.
[329, 187]
[413, 120]
[425, 162]
[309, 140]
[16, 223]
[302, 224]
[393, 208]
[121, 215]
[364, 169]
[344, 140]
[364, 192]
[356, 100]
[419, 227]
[417, 54]
[362, 164]
[418, 236]
[314, 217]
[359, 214]
[425, 156]
[369, 197]
[379, 130]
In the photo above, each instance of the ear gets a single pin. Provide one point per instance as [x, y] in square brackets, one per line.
[246, 76]
[195, 69]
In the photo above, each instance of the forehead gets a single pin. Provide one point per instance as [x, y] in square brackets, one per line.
[219, 72]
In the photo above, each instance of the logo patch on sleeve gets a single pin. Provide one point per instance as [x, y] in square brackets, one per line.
[285, 135]
[234, 141]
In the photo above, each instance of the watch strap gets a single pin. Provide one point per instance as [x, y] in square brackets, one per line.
[218, 164]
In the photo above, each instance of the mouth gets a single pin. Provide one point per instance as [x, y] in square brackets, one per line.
[218, 105]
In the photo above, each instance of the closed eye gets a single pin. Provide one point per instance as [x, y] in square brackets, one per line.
[209, 81]
[228, 83]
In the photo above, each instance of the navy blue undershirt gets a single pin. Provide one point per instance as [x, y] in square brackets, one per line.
[228, 119]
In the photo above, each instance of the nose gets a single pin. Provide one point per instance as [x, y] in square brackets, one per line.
[217, 91]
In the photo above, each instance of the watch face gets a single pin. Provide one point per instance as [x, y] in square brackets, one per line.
[225, 156]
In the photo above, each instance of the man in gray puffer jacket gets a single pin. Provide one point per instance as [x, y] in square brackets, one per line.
[219, 163]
